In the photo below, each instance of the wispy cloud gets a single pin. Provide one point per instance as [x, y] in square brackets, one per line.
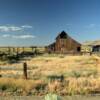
[5, 35]
[10, 28]
[26, 26]
[24, 36]
[68, 24]
[91, 26]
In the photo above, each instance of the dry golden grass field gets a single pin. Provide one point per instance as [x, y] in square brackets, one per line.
[81, 75]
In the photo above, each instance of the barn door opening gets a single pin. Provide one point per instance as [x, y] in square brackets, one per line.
[78, 49]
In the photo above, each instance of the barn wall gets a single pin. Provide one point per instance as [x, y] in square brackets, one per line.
[66, 45]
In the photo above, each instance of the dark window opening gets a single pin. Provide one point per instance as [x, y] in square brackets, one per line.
[78, 49]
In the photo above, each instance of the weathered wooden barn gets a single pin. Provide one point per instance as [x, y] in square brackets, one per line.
[64, 44]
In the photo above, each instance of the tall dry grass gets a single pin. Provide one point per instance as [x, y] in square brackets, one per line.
[70, 86]
[81, 74]
[20, 85]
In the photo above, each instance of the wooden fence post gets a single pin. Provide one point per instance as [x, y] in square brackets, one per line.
[61, 78]
[25, 70]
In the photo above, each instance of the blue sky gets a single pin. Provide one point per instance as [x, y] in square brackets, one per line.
[38, 22]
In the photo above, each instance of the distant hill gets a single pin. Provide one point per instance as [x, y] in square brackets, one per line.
[91, 43]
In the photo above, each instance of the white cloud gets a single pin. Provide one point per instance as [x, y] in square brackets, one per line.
[26, 26]
[24, 36]
[5, 35]
[14, 28]
[10, 28]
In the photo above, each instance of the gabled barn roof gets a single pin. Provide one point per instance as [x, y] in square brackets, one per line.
[62, 35]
